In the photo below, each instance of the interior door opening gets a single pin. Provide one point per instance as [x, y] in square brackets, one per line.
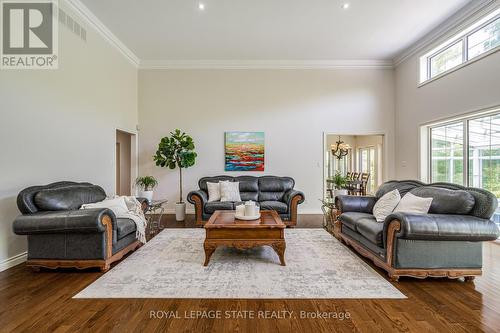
[125, 161]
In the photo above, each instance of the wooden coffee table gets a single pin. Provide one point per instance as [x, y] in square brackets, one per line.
[223, 229]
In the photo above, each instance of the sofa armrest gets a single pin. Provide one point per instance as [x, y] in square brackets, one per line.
[290, 194]
[191, 197]
[72, 221]
[355, 203]
[198, 199]
[442, 227]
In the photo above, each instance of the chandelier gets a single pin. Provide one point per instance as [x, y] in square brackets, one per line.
[340, 149]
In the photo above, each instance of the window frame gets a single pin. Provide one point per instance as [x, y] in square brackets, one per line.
[463, 35]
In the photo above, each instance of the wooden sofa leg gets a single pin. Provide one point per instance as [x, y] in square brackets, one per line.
[469, 278]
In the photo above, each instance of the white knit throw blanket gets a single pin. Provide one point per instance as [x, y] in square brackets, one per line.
[127, 208]
[136, 214]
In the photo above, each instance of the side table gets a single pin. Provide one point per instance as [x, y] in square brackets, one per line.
[331, 214]
[154, 214]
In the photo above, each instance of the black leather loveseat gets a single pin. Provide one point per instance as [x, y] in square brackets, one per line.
[446, 242]
[62, 235]
[270, 193]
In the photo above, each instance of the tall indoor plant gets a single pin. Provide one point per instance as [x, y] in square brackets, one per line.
[146, 185]
[176, 151]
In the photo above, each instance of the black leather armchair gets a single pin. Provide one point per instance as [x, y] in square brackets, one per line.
[62, 235]
[444, 242]
[269, 192]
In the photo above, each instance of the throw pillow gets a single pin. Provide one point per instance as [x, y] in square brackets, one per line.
[385, 205]
[230, 191]
[412, 204]
[117, 205]
[213, 191]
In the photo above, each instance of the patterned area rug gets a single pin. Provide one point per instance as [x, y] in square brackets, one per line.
[171, 266]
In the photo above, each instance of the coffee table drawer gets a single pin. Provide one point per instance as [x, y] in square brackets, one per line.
[244, 233]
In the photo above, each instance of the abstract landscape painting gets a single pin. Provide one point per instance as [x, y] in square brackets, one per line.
[244, 151]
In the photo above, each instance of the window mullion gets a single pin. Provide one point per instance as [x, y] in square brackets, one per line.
[466, 152]
[465, 49]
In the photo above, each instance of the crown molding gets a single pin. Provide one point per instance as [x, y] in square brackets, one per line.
[92, 20]
[452, 25]
[266, 64]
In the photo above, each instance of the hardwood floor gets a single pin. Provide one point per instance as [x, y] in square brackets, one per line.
[40, 302]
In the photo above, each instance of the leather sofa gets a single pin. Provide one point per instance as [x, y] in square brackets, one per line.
[269, 192]
[446, 242]
[62, 235]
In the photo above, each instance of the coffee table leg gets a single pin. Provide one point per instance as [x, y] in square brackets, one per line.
[209, 250]
[279, 248]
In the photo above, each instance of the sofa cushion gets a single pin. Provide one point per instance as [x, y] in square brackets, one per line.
[446, 201]
[211, 207]
[124, 227]
[68, 198]
[352, 219]
[273, 188]
[278, 206]
[249, 188]
[371, 230]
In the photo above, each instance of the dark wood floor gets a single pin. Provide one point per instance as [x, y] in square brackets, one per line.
[39, 302]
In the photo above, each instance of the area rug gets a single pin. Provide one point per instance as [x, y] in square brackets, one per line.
[171, 266]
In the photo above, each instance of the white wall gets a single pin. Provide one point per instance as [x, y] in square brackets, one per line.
[474, 87]
[293, 107]
[60, 124]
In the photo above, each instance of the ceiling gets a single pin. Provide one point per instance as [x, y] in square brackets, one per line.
[270, 29]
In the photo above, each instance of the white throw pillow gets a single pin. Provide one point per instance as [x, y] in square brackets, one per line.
[117, 205]
[213, 191]
[385, 205]
[230, 191]
[412, 204]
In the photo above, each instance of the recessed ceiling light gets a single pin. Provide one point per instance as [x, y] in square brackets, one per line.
[201, 6]
[345, 5]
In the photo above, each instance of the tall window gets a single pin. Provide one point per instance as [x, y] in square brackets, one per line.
[367, 165]
[467, 152]
[479, 38]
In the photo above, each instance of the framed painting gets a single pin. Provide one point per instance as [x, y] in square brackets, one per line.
[244, 151]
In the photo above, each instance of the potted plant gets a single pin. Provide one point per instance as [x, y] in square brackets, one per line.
[146, 185]
[176, 151]
[339, 183]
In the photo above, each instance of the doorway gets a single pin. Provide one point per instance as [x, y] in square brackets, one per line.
[125, 161]
[354, 156]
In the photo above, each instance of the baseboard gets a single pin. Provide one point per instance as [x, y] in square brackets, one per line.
[13, 261]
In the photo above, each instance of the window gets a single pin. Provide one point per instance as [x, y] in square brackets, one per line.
[467, 152]
[484, 39]
[476, 40]
[447, 151]
[446, 59]
[367, 165]
[484, 153]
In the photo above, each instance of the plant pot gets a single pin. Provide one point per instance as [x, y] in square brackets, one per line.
[146, 194]
[180, 211]
[340, 192]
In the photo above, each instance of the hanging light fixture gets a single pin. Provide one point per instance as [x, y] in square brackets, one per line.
[340, 149]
